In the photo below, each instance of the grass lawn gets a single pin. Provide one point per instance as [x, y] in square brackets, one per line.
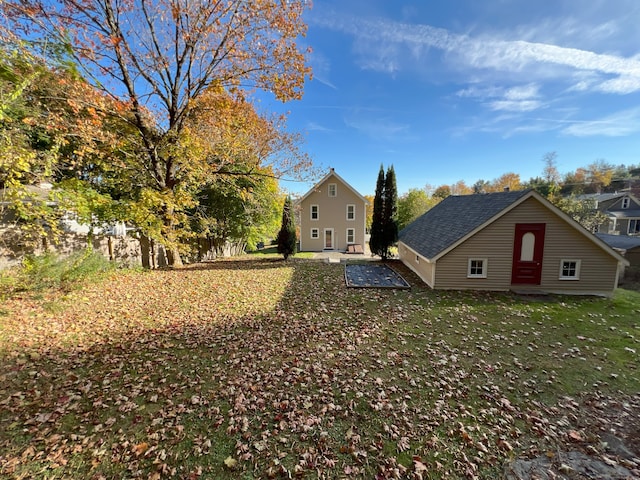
[260, 368]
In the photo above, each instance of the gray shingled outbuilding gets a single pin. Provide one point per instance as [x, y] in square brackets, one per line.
[508, 241]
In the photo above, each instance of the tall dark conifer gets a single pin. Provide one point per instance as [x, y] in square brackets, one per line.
[376, 241]
[287, 238]
[390, 212]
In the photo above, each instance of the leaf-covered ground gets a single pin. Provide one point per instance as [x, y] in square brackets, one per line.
[272, 369]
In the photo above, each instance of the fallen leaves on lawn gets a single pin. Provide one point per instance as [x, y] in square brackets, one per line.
[277, 369]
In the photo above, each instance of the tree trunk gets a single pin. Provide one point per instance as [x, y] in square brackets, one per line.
[173, 257]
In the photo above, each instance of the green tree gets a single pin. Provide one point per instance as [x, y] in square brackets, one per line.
[583, 211]
[287, 238]
[376, 241]
[240, 209]
[411, 205]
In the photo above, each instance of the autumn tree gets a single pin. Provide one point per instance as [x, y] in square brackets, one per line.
[507, 181]
[442, 192]
[600, 174]
[45, 132]
[369, 217]
[287, 238]
[461, 188]
[160, 58]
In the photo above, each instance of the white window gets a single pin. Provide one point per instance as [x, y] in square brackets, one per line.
[351, 212]
[477, 268]
[569, 269]
[315, 233]
[634, 227]
[351, 235]
[333, 190]
[625, 202]
[314, 212]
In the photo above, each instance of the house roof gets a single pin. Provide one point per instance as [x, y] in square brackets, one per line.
[324, 179]
[635, 213]
[453, 219]
[621, 242]
[457, 218]
[601, 197]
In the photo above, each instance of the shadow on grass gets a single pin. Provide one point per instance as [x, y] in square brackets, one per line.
[226, 377]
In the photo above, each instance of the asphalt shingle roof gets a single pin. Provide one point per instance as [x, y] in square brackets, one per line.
[453, 218]
[623, 242]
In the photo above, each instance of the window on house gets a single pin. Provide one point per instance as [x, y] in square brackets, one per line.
[351, 212]
[315, 233]
[477, 268]
[417, 259]
[634, 227]
[569, 269]
[314, 212]
[625, 202]
[351, 235]
[333, 190]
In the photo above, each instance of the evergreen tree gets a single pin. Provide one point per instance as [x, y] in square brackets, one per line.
[390, 212]
[287, 238]
[376, 241]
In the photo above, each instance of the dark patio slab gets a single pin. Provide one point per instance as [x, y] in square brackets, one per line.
[373, 276]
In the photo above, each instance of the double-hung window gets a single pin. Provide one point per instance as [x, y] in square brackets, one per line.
[477, 268]
[351, 235]
[333, 190]
[351, 212]
[634, 227]
[315, 212]
[315, 233]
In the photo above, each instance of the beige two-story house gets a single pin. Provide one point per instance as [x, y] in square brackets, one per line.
[332, 216]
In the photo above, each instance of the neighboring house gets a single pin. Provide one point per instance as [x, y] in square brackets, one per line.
[332, 216]
[112, 240]
[622, 210]
[627, 246]
[508, 241]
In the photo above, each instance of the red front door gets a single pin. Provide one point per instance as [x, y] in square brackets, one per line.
[528, 249]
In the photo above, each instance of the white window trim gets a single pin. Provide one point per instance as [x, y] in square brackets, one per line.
[335, 189]
[353, 236]
[625, 202]
[629, 231]
[354, 212]
[317, 233]
[485, 267]
[577, 275]
[317, 212]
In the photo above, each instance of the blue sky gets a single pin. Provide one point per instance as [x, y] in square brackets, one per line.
[468, 89]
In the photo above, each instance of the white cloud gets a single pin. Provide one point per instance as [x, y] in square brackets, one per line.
[523, 98]
[383, 45]
[377, 128]
[516, 105]
[626, 122]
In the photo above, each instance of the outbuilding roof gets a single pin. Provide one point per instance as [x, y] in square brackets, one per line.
[453, 219]
[459, 217]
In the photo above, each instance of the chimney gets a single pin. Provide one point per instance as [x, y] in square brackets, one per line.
[506, 189]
